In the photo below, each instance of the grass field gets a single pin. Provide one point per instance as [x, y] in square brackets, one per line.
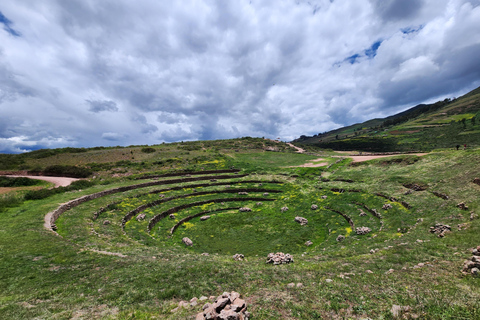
[99, 267]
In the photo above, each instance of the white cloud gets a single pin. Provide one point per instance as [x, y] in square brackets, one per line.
[87, 73]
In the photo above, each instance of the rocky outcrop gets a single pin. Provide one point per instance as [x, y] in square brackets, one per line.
[440, 229]
[279, 258]
[472, 266]
[228, 306]
[301, 220]
[363, 230]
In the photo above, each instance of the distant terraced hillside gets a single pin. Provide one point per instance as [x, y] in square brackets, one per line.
[425, 127]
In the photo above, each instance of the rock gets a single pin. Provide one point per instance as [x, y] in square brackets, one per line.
[203, 298]
[228, 315]
[172, 216]
[314, 207]
[187, 241]
[299, 285]
[473, 216]
[199, 316]
[476, 252]
[475, 271]
[283, 209]
[259, 204]
[308, 243]
[476, 181]
[205, 254]
[323, 197]
[106, 222]
[141, 217]
[243, 193]
[301, 220]
[279, 258]
[462, 206]
[244, 209]
[363, 230]
[390, 271]
[266, 194]
[440, 229]
[328, 280]
[220, 304]
[387, 206]
[238, 257]
[362, 213]
[204, 218]
[291, 285]
[369, 271]
[238, 304]
[340, 238]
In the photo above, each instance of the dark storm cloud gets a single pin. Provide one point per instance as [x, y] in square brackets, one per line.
[97, 106]
[119, 73]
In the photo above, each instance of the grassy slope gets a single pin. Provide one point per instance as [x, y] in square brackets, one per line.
[440, 125]
[50, 277]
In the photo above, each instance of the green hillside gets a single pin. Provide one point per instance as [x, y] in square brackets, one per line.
[111, 246]
[425, 127]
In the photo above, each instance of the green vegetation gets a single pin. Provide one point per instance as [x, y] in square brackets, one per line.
[443, 124]
[105, 266]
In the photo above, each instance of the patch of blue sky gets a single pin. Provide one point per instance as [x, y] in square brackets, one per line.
[7, 25]
[369, 53]
[411, 29]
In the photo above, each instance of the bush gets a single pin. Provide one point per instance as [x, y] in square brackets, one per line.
[67, 171]
[8, 182]
[148, 150]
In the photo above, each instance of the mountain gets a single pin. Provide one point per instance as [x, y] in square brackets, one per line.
[443, 124]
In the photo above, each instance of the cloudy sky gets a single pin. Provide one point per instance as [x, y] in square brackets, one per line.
[116, 72]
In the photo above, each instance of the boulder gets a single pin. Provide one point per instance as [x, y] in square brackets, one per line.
[340, 238]
[308, 243]
[363, 230]
[279, 258]
[301, 220]
[314, 207]
[141, 217]
[187, 242]
[204, 218]
[244, 209]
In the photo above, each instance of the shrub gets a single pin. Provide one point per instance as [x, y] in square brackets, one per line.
[148, 150]
[17, 182]
[67, 171]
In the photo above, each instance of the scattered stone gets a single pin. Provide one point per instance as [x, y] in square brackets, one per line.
[259, 204]
[390, 271]
[476, 181]
[205, 254]
[340, 238]
[323, 197]
[462, 226]
[299, 285]
[462, 206]
[362, 213]
[308, 243]
[279, 258]
[473, 216]
[363, 230]
[387, 206]
[472, 266]
[301, 220]
[244, 209]
[106, 222]
[440, 229]
[187, 242]
[243, 193]
[141, 217]
[228, 306]
[328, 280]
[291, 285]
[266, 194]
[283, 209]
[314, 207]
[172, 216]
[204, 218]
[369, 271]
[238, 257]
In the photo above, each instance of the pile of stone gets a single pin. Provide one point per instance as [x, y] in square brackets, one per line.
[227, 306]
[141, 217]
[258, 203]
[314, 207]
[462, 206]
[279, 258]
[283, 209]
[266, 194]
[387, 206]
[244, 209]
[243, 193]
[363, 230]
[301, 220]
[340, 238]
[238, 257]
[204, 218]
[308, 243]
[440, 229]
[472, 266]
[187, 242]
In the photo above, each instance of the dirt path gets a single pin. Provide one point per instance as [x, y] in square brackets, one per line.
[58, 181]
[299, 150]
[312, 164]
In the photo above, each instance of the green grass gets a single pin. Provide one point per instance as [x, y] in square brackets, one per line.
[45, 276]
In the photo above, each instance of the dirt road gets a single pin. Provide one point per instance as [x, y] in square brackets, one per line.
[371, 157]
[58, 181]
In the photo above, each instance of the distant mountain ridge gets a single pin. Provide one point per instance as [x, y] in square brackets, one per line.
[424, 127]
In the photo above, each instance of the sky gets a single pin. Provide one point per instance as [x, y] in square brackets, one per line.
[83, 73]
